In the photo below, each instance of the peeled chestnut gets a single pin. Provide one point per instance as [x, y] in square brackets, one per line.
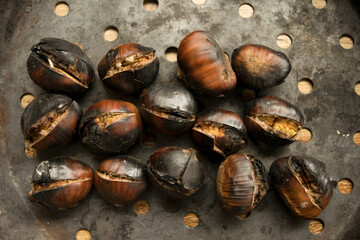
[61, 66]
[258, 67]
[120, 179]
[203, 65]
[110, 126]
[220, 131]
[128, 68]
[177, 172]
[168, 107]
[302, 184]
[50, 120]
[273, 120]
[241, 184]
[61, 183]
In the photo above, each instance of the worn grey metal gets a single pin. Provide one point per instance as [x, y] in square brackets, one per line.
[331, 110]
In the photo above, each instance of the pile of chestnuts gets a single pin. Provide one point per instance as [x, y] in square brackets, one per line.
[113, 127]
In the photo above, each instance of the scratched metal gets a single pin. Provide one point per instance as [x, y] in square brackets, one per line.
[331, 110]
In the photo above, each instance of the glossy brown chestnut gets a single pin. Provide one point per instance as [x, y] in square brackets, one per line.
[303, 184]
[273, 120]
[220, 131]
[60, 66]
[168, 107]
[110, 126]
[258, 67]
[177, 172]
[50, 120]
[61, 183]
[203, 65]
[120, 179]
[241, 184]
[128, 68]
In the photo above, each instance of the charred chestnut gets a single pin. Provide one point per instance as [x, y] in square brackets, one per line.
[273, 120]
[220, 131]
[61, 183]
[120, 179]
[177, 172]
[168, 107]
[203, 65]
[302, 184]
[258, 67]
[50, 120]
[128, 68]
[110, 126]
[241, 184]
[60, 66]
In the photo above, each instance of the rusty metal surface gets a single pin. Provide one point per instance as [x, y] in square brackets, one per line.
[332, 108]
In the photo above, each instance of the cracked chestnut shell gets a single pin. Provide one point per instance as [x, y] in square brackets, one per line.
[61, 183]
[177, 172]
[303, 184]
[168, 107]
[110, 126]
[120, 179]
[49, 121]
[203, 65]
[273, 120]
[60, 66]
[219, 131]
[128, 68]
[258, 67]
[241, 184]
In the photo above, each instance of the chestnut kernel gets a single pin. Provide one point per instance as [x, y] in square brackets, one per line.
[177, 172]
[203, 65]
[120, 179]
[168, 107]
[49, 121]
[258, 67]
[303, 184]
[220, 131]
[273, 120]
[110, 126]
[60, 66]
[241, 184]
[61, 183]
[128, 68]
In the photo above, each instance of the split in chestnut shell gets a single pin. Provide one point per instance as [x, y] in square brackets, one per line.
[60, 66]
[303, 184]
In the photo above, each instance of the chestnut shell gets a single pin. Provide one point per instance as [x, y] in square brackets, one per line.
[303, 184]
[177, 172]
[128, 68]
[110, 126]
[69, 69]
[61, 183]
[259, 67]
[241, 184]
[203, 65]
[120, 179]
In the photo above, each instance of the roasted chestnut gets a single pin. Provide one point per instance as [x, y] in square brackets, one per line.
[302, 184]
[61, 183]
[241, 184]
[203, 65]
[120, 179]
[128, 68]
[61, 66]
[177, 172]
[50, 120]
[110, 126]
[258, 67]
[273, 120]
[168, 107]
[220, 131]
